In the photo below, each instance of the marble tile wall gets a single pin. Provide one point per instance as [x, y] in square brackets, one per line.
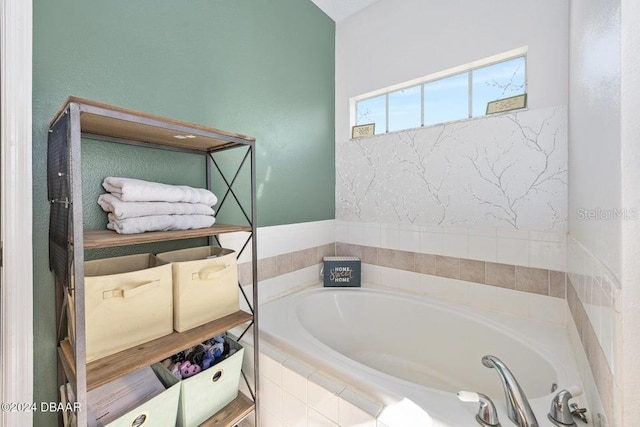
[507, 171]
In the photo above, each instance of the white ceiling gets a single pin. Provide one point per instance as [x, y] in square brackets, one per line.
[340, 9]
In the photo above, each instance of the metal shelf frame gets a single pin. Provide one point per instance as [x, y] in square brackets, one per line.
[66, 233]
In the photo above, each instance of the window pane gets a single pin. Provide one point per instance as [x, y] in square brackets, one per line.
[446, 99]
[404, 109]
[497, 81]
[372, 110]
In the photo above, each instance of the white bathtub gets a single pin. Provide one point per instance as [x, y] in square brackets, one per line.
[402, 348]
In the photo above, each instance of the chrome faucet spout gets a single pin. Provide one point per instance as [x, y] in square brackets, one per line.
[518, 407]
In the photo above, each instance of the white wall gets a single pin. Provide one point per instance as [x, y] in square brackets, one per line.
[604, 165]
[394, 41]
[630, 135]
[594, 126]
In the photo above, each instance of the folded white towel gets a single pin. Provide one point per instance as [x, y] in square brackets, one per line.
[159, 223]
[122, 210]
[136, 190]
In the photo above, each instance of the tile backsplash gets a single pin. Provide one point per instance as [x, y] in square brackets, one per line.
[598, 291]
[546, 250]
[390, 249]
[593, 295]
[525, 279]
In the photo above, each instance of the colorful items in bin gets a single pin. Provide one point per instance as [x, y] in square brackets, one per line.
[188, 370]
[214, 352]
[190, 362]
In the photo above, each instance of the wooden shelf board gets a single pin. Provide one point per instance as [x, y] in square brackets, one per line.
[117, 122]
[65, 352]
[231, 414]
[117, 365]
[94, 239]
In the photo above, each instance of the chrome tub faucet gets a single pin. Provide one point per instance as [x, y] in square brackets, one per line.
[518, 407]
[487, 415]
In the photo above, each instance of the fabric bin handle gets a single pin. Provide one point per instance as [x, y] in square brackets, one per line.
[133, 292]
[211, 272]
[140, 420]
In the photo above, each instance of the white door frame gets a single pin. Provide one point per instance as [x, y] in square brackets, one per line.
[16, 292]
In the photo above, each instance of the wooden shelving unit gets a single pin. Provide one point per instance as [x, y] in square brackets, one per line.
[109, 122]
[106, 238]
[119, 364]
[68, 241]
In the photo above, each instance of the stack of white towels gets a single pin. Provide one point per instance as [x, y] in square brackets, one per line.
[136, 206]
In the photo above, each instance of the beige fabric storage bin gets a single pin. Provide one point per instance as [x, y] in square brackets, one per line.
[128, 301]
[208, 392]
[205, 285]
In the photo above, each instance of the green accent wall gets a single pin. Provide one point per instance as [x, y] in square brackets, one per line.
[264, 68]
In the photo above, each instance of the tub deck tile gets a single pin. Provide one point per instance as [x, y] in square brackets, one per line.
[361, 402]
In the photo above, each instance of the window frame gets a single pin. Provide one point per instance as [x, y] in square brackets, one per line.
[467, 68]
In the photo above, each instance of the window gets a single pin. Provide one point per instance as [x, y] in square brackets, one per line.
[373, 110]
[445, 99]
[497, 81]
[404, 109]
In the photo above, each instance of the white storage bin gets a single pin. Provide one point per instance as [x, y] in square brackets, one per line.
[141, 399]
[205, 285]
[128, 301]
[208, 392]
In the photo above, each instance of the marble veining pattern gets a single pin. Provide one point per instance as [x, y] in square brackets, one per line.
[505, 171]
